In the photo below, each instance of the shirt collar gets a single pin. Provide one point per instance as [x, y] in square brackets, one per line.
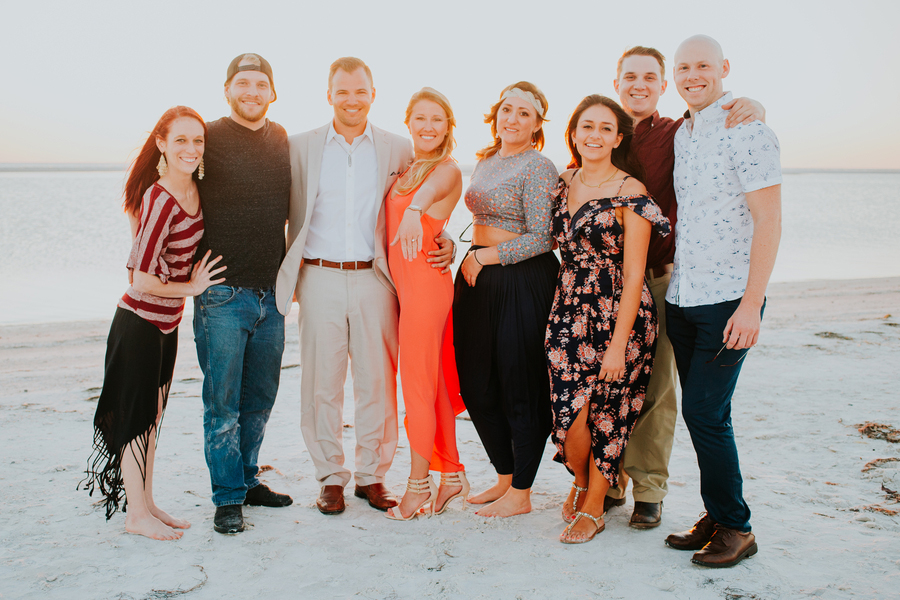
[332, 134]
[647, 123]
[711, 112]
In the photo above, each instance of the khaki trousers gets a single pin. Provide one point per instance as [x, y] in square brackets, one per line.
[646, 459]
[348, 315]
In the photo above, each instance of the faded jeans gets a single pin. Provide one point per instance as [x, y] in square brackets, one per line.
[240, 339]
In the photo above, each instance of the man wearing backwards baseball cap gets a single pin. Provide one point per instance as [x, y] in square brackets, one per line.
[237, 327]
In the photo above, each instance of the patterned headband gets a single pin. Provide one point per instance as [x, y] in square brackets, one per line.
[527, 97]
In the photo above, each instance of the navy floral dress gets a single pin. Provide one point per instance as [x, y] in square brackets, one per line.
[582, 322]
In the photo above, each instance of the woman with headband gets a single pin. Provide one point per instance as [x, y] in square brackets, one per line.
[503, 296]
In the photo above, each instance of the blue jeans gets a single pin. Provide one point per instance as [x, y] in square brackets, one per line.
[240, 339]
[707, 385]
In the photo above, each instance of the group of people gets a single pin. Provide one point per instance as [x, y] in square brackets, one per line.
[584, 351]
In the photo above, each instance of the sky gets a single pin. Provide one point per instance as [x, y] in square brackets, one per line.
[85, 81]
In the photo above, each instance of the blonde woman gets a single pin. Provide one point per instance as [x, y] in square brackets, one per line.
[419, 204]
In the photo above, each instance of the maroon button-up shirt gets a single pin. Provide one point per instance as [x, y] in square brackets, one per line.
[654, 145]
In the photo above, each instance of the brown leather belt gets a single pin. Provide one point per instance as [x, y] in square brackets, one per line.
[654, 272]
[353, 265]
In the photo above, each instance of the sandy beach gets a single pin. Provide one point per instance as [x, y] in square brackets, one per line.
[825, 508]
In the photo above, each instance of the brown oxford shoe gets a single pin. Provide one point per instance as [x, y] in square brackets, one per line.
[331, 500]
[727, 548]
[694, 538]
[646, 515]
[377, 495]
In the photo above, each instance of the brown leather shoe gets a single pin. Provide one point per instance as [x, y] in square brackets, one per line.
[609, 502]
[331, 500]
[646, 515]
[377, 495]
[727, 548]
[694, 538]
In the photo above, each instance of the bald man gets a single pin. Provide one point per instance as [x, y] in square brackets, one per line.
[728, 189]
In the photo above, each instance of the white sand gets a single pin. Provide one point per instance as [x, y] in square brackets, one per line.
[800, 394]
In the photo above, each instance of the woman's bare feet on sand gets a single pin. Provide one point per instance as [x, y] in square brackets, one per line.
[151, 527]
[494, 493]
[513, 502]
[168, 519]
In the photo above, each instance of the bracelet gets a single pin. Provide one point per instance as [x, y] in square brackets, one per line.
[475, 254]
[418, 209]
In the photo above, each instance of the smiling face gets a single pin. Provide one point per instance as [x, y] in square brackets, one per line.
[597, 133]
[640, 85]
[183, 145]
[351, 95]
[249, 94]
[517, 122]
[699, 70]
[428, 126]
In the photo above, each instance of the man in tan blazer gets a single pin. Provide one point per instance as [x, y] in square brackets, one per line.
[336, 266]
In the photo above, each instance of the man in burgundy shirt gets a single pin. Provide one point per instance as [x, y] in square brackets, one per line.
[640, 81]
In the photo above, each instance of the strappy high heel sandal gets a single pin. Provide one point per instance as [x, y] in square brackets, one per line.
[453, 480]
[416, 486]
[599, 524]
[578, 490]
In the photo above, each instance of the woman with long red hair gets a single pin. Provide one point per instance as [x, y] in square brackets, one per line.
[163, 205]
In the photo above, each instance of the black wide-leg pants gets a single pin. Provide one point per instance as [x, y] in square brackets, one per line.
[498, 330]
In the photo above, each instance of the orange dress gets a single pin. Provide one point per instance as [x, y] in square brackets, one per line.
[427, 360]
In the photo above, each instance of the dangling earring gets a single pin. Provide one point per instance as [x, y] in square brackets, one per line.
[200, 170]
[162, 167]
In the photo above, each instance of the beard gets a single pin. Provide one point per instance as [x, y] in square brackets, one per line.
[242, 113]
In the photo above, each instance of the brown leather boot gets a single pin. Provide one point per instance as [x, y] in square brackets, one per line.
[727, 548]
[646, 515]
[694, 538]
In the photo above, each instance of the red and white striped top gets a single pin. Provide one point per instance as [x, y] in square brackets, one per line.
[165, 244]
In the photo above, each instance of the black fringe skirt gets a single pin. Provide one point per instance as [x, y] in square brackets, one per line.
[140, 360]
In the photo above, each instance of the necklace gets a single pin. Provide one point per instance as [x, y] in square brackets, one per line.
[586, 184]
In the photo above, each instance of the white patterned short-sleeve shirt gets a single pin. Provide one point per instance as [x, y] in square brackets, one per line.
[714, 168]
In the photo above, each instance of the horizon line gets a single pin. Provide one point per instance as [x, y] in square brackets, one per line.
[41, 167]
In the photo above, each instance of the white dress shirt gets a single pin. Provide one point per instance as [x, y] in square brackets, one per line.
[714, 168]
[342, 226]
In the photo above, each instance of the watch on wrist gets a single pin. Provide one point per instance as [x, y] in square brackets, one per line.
[416, 208]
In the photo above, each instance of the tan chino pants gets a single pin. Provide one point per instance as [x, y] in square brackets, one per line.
[348, 315]
[646, 459]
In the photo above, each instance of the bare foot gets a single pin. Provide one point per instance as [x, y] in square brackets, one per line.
[583, 530]
[169, 519]
[568, 511]
[513, 502]
[409, 504]
[491, 494]
[151, 527]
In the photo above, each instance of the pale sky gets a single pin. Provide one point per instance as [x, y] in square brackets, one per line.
[84, 81]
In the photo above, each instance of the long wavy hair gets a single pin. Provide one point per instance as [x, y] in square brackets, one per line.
[142, 171]
[537, 139]
[422, 167]
[622, 157]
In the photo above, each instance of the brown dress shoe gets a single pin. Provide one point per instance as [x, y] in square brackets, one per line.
[694, 538]
[610, 502]
[727, 548]
[331, 500]
[646, 515]
[377, 495]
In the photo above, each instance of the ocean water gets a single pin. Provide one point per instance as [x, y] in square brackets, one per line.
[64, 239]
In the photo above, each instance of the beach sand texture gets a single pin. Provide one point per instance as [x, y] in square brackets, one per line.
[827, 525]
